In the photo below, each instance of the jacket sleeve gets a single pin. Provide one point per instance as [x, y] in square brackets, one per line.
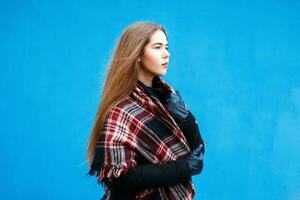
[191, 132]
[152, 176]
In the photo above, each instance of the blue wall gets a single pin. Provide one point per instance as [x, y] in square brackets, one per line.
[237, 65]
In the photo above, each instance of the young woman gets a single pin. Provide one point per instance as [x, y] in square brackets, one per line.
[145, 143]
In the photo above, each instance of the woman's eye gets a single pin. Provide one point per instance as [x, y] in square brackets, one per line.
[160, 47]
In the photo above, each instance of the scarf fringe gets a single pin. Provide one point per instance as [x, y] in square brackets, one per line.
[110, 171]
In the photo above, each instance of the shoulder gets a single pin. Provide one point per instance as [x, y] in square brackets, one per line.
[126, 107]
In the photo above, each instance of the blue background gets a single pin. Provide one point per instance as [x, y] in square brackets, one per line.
[236, 64]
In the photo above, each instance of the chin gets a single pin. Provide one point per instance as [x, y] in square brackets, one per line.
[162, 73]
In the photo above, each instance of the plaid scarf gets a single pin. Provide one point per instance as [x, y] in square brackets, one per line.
[140, 126]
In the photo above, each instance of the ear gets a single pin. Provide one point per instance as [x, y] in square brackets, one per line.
[139, 59]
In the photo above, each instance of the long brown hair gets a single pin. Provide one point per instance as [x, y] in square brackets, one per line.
[122, 74]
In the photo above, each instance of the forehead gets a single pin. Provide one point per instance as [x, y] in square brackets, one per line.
[158, 36]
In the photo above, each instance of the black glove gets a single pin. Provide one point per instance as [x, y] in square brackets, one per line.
[195, 160]
[176, 106]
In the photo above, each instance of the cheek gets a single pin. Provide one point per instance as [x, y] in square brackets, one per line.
[152, 58]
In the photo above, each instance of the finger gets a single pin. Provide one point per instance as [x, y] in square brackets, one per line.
[197, 151]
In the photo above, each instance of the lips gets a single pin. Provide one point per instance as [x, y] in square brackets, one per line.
[165, 64]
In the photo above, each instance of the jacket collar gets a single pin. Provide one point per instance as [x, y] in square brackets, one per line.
[146, 98]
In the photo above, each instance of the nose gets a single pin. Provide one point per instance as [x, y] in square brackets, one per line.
[166, 54]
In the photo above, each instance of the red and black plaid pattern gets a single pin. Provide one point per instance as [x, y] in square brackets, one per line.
[140, 126]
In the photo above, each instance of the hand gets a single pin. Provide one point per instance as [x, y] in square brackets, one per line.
[176, 106]
[202, 147]
[195, 160]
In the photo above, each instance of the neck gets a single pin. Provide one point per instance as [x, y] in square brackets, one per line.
[147, 80]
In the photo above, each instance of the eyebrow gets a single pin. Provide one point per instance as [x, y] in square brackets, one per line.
[159, 44]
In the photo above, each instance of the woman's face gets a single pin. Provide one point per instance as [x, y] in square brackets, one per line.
[156, 56]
